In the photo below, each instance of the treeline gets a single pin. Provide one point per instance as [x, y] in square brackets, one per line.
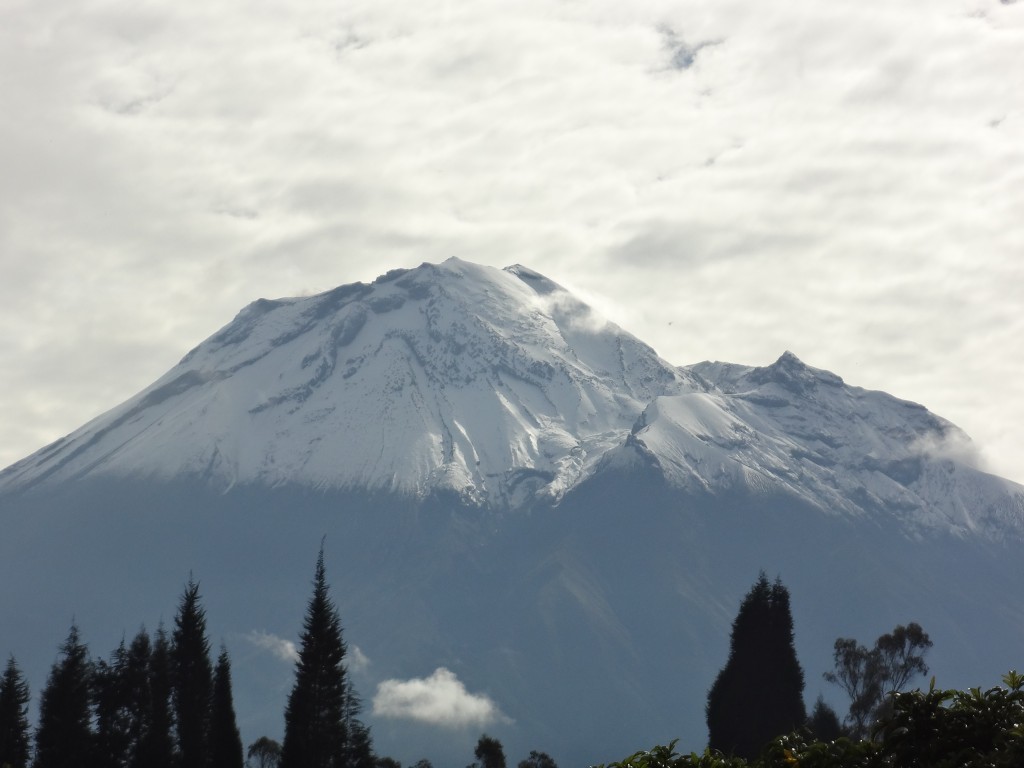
[162, 701]
[759, 694]
[920, 729]
[156, 702]
[756, 716]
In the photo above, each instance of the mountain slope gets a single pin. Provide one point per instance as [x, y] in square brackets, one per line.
[790, 428]
[492, 384]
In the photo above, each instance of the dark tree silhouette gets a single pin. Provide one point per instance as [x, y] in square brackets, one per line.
[489, 752]
[538, 760]
[156, 747]
[64, 738]
[263, 753]
[901, 656]
[759, 693]
[225, 741]
[14, 734]
[856, 672]
[320, 725]
[823, 722]
[192, 680]
[869, 677]
[113, 710]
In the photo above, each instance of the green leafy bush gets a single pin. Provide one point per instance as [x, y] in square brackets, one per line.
[924, 729]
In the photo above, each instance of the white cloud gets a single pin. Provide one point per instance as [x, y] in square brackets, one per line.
[954, 445]
[283, 649]
[357, 660]
[440, 699]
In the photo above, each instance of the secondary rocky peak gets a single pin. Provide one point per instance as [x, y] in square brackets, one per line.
[793, 374]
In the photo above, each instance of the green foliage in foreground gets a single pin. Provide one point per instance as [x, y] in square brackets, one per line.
[926, 729]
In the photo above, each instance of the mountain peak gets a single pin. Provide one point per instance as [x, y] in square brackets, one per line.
[502, 388]
[542, 285]
[791, 373]
[445, 377]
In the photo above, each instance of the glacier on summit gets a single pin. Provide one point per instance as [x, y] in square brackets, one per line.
[500, 387]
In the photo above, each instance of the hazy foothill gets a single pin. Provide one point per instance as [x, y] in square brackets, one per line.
[542, 540]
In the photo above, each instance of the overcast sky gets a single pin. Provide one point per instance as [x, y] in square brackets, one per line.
[727, 180]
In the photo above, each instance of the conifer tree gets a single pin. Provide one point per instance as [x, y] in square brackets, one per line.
[225, 741]
[823, 722]
[138, 695]
[14, 700]
[192, 680]
[320, 717]
[64, 738]
[759, 693]
[114, 712]
[156, 745]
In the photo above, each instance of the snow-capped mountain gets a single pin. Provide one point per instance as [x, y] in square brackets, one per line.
[454, 377]
[501, 387]
[521, 502]
[795, 429]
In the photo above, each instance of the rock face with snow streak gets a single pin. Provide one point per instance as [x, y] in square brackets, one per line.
[519, 498]
[791, 428]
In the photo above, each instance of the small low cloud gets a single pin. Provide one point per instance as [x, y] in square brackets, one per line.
[357, 660]
[283, 649]
[565, 309]
[440, 699]
[953, 445]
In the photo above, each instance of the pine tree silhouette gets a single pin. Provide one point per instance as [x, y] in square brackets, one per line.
[156, 748]
[192, 680]
[225, 741]
[320, 716]
[64, 738]
[759, 693]
[14, 700]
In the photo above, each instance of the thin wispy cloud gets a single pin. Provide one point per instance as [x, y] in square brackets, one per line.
[357, 660]
[286, 650]
[283, 649]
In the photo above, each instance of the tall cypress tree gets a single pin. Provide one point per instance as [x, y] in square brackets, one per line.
[192, 680]
[225, 741]
[64, 738]
[316, 720]
[14, 699]
[759, 693]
